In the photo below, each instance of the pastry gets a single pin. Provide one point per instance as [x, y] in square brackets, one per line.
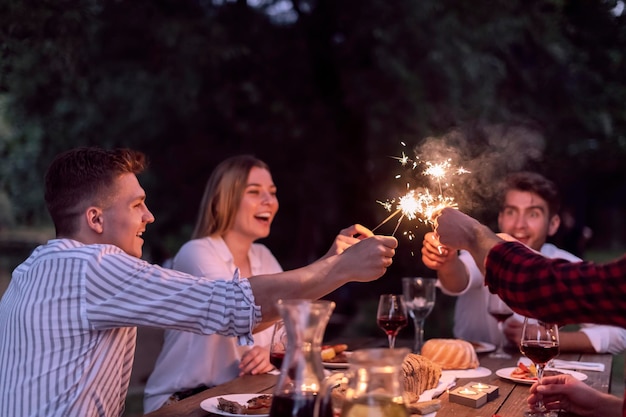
[451, 353]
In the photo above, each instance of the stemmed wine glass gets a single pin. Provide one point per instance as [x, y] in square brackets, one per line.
[500, 311]
[419, 296]
[540, 344]
[391, 316]
[278, 344]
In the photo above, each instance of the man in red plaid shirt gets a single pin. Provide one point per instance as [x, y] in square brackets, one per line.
[552, 290]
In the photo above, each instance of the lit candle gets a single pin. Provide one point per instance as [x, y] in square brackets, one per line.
[480, 385]
[467, 391]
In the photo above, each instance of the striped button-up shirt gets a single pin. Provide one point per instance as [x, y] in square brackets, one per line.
[68, 317]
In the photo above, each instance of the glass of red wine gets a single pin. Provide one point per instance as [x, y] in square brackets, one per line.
[499, 311]
[278, 344]
[540, 344]
[391, 316]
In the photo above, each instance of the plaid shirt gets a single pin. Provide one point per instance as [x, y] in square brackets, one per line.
[555, 290]
[558, 291]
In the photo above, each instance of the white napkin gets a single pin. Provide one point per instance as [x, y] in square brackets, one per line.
[561, 364]
[445, 382]
[466, 373]
[576, 365]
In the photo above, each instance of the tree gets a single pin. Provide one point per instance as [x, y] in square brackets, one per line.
[324, 92]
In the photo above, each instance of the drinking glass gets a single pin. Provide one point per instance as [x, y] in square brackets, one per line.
[419, 295]
[391, 316]
[499, 311]
[540, 344]
[278, 344]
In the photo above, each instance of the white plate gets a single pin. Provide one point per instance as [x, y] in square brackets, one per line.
[210, 404]
[483, 347]
[338, 365]
[467, 373]
[506, 374]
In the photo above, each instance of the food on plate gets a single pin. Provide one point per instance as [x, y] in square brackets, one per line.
[334, 353]
[529, 372]
[419, 374]
[523, 371]
[257, 405]
[451, 353]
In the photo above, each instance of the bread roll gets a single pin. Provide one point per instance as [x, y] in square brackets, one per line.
[451, 353]
[419, 374]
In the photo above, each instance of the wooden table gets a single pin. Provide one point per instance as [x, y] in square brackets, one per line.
[510, 403]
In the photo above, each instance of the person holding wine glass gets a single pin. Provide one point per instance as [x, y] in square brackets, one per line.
[529, 207]
[529, 282]
[540, 344]
[419, 296]
[566, 392]
[391, 316]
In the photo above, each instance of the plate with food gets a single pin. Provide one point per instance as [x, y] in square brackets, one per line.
[482, 347]
[527, 374]
[335, 356]
[234, 405]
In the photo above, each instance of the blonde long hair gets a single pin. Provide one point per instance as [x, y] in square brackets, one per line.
[222, 195]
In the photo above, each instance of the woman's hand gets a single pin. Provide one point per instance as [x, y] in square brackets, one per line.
[255, 361]
[568, 393]
[348, 237]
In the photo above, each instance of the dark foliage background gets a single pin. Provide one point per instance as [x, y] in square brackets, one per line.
[324, 91]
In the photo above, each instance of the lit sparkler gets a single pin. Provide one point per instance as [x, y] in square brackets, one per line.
[420, 203]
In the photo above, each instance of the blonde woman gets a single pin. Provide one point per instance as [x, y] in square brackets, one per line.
[238, 207]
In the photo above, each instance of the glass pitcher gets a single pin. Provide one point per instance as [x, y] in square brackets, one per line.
[374, 384]
[302, 372]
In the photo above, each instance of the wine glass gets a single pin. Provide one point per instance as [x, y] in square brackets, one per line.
[499, 311]
[278, 344]
[391, 316]
[540, 344]
[419, 295]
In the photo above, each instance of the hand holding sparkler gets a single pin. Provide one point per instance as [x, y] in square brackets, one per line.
[348, 237]
[457, 230]
[450, 269]
[434, 254]
[421, 203]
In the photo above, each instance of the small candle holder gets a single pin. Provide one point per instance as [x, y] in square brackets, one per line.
[467, 396]
[492, 391]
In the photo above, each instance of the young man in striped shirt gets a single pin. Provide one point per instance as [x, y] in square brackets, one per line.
[68, 318]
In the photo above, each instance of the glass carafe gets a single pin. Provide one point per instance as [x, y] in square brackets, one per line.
[373, 384]
[302, 372]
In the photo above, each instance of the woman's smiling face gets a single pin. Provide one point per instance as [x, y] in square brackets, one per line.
[258, 206]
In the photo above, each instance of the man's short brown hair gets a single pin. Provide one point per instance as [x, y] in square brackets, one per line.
[82, 177]
[534, 183]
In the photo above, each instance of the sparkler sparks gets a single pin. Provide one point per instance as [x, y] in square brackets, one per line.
[420, 203]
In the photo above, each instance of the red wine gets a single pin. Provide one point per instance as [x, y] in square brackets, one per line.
[276, 359]
[392, 325]
[501, 316]
[540, 352]
[299, 406]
